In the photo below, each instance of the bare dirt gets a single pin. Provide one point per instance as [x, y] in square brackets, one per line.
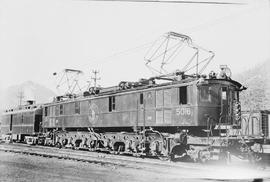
[19, 167]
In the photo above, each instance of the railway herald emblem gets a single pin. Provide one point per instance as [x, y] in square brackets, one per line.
[93, 113]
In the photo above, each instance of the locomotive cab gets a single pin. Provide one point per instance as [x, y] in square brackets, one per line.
[218, 104]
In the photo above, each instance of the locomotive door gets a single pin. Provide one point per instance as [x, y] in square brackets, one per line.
[11, 121]
[141, 110]
[224, 105]
[268, 124]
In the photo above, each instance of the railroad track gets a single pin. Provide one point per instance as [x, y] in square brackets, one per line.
[87, 156]
[187, 170]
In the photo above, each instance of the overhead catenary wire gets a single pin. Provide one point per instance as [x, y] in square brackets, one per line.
[146, 45]
[175, 2]
[161, 54]
[133, 49]
[175, 53]
[192, 29]
[155, 50]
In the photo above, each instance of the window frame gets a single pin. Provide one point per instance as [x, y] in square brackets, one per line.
[224, 92]
[77, 108]
[141, 99]
[61, 109]
[111, 103]
[205, 94]
[46, 111]
[180, 93]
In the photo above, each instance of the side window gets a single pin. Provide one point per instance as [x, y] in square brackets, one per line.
[61, 109]
[111, 103]
[56, 110]
[159, 98]
[46, 111]
[205, 94]
[183, 95]
[236, 95]
[77, 107]
[224, 93]
[141, 98]
[167, 98]
[51, 112]
[11, 121]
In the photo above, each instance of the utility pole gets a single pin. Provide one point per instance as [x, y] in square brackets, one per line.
[20, 97]
[95, 78]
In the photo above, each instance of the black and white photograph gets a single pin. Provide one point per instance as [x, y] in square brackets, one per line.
[135, 90]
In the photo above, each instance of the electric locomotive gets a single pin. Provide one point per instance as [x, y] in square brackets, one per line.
[189, 115]
[176, 115]
[22, 124]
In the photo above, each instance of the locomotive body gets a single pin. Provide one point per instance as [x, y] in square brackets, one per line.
[21, 122]
[173, 118]
[183, 104]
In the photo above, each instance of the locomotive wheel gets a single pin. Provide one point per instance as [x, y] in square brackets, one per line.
[164, 158]
[77, 143]
[178, 153]
[225, 157]
[92, 145]
[119, 147]
[64, 142]
[172, 157]
[201, 158]
[58, 145]
[253, 157]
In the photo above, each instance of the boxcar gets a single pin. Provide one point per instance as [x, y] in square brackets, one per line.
[256, 123]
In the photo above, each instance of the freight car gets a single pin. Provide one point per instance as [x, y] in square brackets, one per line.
[256, 123]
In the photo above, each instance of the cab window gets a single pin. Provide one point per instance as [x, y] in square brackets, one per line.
[46, 111]
[111, 103]
[61, 109]
[236, 95]
[183, 97]
[205, 94]
[224, 93]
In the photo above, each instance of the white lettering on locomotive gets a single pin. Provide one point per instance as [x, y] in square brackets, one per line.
[183, 111]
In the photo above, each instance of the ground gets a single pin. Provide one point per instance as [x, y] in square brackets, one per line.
[19, 167]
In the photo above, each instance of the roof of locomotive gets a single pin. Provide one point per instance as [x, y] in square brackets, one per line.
[22, 109]
[239, 85]
[189, 80]
[176, 83]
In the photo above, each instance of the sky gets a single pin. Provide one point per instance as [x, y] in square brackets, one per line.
[38, 38]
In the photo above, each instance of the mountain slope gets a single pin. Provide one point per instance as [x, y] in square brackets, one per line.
[29, 91]
[257, 79]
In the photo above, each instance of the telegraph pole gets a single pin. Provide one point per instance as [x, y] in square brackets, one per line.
[95, 78]
[20, 97]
